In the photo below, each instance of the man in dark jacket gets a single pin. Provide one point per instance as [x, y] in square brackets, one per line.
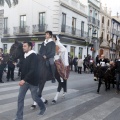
[2, 64]
[29, 80]
[117, 66]
[75, 63]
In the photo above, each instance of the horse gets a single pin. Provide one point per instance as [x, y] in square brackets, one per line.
[16, 52]
[107, 74]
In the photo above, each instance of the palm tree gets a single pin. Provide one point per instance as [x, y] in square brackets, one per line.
[9, 2]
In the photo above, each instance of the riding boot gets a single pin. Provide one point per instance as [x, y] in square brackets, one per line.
[53, 73]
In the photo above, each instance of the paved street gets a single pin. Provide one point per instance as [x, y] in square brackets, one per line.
[81, 102]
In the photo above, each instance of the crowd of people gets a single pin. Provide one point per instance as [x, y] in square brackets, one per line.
[81, 65]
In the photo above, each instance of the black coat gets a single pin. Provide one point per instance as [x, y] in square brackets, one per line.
[29, 72]
[10, 64]
[2, 63]
[48, 50]
[117, 66]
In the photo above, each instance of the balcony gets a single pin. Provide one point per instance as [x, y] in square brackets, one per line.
[118, 33]
[114, 31]
[21, 30]
[93, 21]
[73, 31]
[39, 29]
[6, 32]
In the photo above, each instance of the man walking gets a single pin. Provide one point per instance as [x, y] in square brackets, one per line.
[29, 80]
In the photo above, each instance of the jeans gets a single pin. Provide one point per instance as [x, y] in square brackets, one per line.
[22, 92]
[117, 80]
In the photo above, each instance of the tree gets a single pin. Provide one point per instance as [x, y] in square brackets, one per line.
[9, 2]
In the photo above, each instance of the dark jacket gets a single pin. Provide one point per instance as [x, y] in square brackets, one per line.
[2, 63]
[117, 66]
[29, 72]
[75, 61]
[48, 50]
[10, 64]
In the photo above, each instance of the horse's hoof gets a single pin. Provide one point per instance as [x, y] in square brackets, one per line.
[46, 102]
[53, 102]
[98, 91]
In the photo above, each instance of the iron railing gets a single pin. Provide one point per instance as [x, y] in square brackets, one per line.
[73, 31]
[21, 30]
[6, 31]
[39, 28]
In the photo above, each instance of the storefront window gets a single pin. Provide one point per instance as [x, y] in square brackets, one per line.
[72, 51]
[80, 52]
[5, 48]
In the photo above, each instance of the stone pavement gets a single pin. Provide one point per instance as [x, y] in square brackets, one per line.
[81, 102]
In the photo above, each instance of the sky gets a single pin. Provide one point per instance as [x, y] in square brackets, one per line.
[114, 5]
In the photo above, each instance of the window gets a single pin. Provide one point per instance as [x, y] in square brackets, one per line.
[42, 22]
[23, 21]
[5, 25]
[5, 48]
[80, 52]
[63, 22]
[108, 22]
[72, 51]
[102, 19]
[73, 25]
[82, 29]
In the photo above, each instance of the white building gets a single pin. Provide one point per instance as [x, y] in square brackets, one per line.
[115, 38]
[105, 31]
[93, 26]
[31, 18]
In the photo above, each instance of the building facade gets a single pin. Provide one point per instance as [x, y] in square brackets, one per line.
[93, 26]
[115, 38]
[105, 31]
[66, 18]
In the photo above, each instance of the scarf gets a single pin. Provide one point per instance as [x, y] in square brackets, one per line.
[29, 53]
[46, 42]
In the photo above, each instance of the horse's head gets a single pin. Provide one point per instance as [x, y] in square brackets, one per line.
[16, 51]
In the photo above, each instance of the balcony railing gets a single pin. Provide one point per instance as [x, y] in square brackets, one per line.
[73, 31]
[114, 31]
[21, 30]
[6, 32]
[93, 21]
[118, 33]
[39, 28]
